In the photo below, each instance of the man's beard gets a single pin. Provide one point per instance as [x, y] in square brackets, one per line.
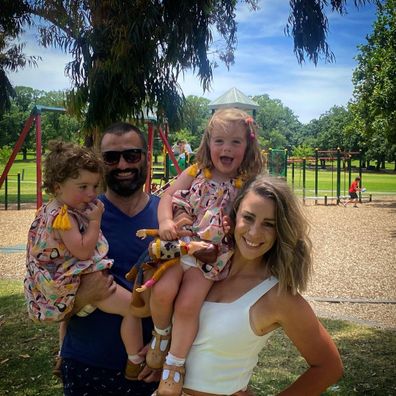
[126, 188]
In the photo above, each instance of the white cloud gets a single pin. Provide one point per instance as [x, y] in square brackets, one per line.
[50, 71]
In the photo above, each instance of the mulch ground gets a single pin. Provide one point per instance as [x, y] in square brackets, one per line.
[354, 256]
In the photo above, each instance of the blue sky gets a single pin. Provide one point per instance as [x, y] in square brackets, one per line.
[264, 62]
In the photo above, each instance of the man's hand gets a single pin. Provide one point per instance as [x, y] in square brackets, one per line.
[94, 287]
[148, 374]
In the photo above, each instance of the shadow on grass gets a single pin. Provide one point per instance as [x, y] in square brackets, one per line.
[26, 355]
[26, 348]
[367, 353]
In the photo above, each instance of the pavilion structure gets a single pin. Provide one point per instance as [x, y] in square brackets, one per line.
[236, 99]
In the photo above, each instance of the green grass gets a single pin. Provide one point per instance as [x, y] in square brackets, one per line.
[26, 355]
[26, 349]
[379, 183]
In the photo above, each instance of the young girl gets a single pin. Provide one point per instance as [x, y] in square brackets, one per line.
[65, 242]
[229, 153]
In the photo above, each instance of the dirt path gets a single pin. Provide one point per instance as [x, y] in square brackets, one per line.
[354, 254]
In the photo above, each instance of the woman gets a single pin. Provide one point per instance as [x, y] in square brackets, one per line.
[271, 263]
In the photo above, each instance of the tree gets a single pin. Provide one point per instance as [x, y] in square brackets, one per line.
[374, 79]
[14, 14]
[128, 55]
[279, 125]
[195, 117]
[54, 125]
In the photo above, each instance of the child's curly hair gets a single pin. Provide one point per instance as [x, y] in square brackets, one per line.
[252, 163]
[65, 161]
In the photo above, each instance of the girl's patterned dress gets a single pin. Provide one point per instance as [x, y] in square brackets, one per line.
[207, 201]
[52, 272]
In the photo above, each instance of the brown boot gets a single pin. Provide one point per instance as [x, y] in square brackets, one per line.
[132, 370]
[155, 357]
[173, 384]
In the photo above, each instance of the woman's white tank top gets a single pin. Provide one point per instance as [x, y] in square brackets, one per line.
[225, 351]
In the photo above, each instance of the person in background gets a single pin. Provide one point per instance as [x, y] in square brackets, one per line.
[271, 264]
[93, 355]
[353, 190]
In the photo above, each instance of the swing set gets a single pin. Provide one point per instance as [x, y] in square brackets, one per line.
[152, 127]
[340, 168]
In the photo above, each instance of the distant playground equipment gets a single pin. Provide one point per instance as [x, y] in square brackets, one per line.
[170, 167]
[35, 117]
[338, 162]
[173, 167]
[275, 160]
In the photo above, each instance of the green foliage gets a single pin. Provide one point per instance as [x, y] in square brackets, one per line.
[330, 131]
[53, 124]
[128, 55]
[5, 154]
[374, 79]
[27, 349]
[14, 14]
[196, 114]
[278, 124]
[308, 24]
[303, 152]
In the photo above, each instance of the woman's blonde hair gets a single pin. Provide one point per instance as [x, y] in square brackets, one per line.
[65, 160]
[290, 259]
[252, 163]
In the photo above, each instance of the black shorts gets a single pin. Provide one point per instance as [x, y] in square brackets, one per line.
[82, 379]
[353, 195]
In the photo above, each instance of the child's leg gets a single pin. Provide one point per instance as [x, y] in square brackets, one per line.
[131, 327]
[163, 296]
[188, 304]
[162, 299]
[190, 298]
[62, 333]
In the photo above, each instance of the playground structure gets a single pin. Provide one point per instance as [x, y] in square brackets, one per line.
[338, 162]
[35, 117]
[172, 167]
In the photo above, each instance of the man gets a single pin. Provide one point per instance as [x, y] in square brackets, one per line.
[93, 355]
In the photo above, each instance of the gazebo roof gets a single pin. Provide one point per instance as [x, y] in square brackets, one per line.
[233, 98]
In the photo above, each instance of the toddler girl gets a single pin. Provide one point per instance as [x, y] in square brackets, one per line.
[65, 242]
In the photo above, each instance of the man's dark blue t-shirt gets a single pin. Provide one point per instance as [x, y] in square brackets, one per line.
[95, 339]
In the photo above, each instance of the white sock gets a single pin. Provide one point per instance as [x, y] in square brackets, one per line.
[163, 332]
[173, 360]
[136, 359]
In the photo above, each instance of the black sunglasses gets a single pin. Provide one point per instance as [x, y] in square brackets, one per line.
[132, 156]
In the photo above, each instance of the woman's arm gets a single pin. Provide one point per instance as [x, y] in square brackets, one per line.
[80, 245]
[313, 342]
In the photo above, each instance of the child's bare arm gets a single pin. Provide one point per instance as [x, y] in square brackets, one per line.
[167, 226]
[82, 245]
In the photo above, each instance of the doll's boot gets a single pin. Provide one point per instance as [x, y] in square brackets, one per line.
[158, 349]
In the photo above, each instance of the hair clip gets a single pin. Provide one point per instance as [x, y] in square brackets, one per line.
[249, 121]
